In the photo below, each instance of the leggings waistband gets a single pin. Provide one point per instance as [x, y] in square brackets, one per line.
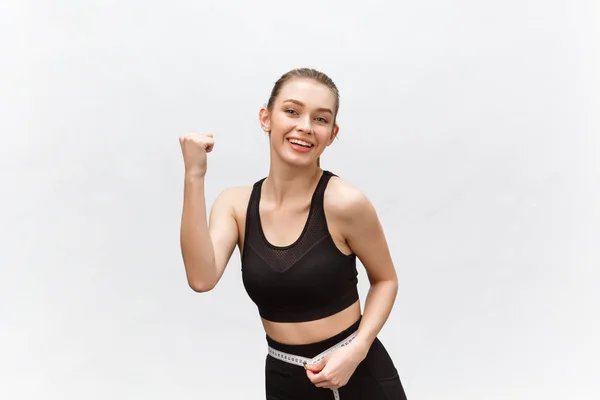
[310, 350]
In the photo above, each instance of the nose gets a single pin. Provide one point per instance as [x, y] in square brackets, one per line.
[305, 124]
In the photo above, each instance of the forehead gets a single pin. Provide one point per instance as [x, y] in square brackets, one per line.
[307, 91]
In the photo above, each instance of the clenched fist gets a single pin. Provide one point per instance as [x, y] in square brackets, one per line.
[194, 148]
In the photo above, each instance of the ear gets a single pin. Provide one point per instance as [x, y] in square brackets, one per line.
[264, 117]
[334, 134]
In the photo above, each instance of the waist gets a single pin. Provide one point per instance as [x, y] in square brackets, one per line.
[312, 330]
[310, 350]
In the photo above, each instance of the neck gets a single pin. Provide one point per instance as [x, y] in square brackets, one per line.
[286, 183]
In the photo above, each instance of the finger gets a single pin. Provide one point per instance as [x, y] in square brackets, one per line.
[201, 136]
[329, 384]
[315, 367]
[318, 378]
[312, 376]
[326, 385]
[322, 384]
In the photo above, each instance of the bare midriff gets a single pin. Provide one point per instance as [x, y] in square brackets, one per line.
[312, 331]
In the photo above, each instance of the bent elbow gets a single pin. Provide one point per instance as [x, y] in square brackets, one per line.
[200, 287]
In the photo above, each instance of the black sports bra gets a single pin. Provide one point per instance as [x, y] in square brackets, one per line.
[307, 280]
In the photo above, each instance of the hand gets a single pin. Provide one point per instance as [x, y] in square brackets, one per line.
[194, 148]
[335, 370]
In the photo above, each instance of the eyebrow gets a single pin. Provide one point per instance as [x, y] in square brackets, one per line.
[302, 104]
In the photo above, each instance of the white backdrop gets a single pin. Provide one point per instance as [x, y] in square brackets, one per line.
[471, 125]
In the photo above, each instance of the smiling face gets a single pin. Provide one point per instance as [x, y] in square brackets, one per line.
[301, 122]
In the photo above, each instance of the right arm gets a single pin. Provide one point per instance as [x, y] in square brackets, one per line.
[206, 245]
[205, 249]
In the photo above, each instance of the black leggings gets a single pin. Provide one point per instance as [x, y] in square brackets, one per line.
[375, 378]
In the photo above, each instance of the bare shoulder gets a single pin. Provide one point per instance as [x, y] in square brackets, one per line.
[346, 203]
[232, 194]
[235, 198]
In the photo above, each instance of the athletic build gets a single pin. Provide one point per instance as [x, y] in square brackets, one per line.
[299, 231]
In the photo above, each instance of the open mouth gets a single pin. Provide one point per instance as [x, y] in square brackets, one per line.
[302, 143]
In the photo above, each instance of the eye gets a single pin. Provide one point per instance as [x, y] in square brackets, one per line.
[291, 111]
[323, 120]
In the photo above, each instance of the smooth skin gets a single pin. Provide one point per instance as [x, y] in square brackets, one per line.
[304, 110]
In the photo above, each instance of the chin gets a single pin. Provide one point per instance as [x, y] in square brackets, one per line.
[297, 160]
[300, 162]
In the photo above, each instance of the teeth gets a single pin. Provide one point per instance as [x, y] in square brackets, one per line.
[300, 142]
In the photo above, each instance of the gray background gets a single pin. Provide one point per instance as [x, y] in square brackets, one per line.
[471, 125]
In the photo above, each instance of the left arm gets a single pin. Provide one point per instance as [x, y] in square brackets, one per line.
[364, 235]
[362, 232]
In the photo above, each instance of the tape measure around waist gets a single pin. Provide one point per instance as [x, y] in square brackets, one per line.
[301, 361]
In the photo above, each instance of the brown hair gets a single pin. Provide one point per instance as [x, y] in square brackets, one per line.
[307, 73]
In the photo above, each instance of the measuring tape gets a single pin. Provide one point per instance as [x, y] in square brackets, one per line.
[301, 361]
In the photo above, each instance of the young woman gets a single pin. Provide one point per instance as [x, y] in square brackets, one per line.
[299, 232]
